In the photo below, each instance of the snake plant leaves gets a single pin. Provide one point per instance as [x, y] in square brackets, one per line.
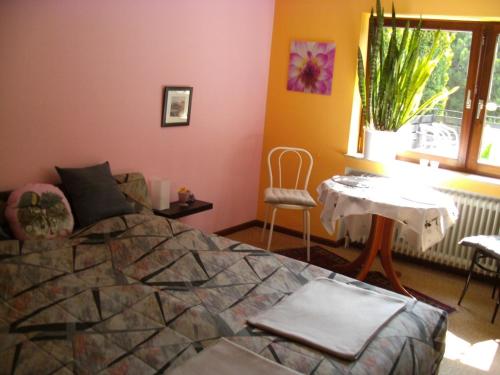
[396, 74]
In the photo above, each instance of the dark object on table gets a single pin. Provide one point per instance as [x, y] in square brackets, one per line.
[93, 193]
[186, 198]
[179, 209]
[485, 247]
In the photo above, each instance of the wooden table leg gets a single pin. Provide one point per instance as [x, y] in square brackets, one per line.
[386, 257]
[364, 261]
[379, 242]
[373, 246]
[355, 265]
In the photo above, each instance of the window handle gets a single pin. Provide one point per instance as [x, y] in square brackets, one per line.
[480, 106]
[468, 102]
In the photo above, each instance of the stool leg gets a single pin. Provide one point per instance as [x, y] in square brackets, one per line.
[497, 279]
[466, 286]
[496, 307]
[497, 284]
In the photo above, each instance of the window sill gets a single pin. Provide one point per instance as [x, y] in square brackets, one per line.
[437, 177]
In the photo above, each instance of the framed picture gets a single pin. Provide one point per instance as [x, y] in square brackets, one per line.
[176, 106]
[311, 67]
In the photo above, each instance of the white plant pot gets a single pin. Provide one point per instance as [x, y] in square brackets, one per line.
[381, 145]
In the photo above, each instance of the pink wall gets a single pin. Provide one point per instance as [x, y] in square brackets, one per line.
[82, 82]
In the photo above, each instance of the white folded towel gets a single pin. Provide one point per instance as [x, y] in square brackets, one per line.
[227, 358]
[337, 318]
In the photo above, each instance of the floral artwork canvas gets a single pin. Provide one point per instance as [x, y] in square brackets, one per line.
[311, 67]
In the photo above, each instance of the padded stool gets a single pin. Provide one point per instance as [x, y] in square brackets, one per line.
[485, 247]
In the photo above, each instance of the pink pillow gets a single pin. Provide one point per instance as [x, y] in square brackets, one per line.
[39, 211]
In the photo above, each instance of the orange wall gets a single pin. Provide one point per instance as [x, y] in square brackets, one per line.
[320, 123]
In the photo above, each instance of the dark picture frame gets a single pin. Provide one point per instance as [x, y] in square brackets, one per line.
[176, 106]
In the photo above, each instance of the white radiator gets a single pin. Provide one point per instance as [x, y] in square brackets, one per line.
[477, 215]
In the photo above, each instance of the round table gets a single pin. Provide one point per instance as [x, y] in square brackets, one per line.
[422, 209]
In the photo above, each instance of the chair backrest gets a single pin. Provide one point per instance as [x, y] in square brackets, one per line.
[302, 171]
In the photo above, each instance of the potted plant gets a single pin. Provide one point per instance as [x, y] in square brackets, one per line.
[396, 75]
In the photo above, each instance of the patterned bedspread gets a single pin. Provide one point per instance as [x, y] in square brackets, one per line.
[140, 294]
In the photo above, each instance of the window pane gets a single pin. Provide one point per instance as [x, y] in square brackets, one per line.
[437, 132]
[490, 141]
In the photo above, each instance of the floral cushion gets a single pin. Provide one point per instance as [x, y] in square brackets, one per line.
[39, 211]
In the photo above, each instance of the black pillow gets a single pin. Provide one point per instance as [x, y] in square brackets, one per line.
[93, 193]
[5, 233]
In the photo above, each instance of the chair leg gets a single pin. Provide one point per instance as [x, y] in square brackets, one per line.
[271, 229]
[304, 233]
[466, 286]
[308, 236]
[266, 214]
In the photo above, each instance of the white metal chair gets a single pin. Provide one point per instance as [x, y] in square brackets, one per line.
[438, 137]
[485, 246]
[295, 198]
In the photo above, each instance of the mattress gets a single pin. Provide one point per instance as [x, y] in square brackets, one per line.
[141, 294]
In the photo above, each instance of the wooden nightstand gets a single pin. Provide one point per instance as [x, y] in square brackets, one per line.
[178, 210]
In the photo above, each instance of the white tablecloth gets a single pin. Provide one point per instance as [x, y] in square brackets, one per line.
[424, 211]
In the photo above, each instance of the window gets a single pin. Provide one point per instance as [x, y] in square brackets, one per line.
[463, 132]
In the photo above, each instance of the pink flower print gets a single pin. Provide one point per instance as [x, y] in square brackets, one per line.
[311, 67]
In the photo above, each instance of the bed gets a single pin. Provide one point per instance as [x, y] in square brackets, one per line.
[141, 294]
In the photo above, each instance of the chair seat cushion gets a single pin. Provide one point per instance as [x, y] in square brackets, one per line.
[489, 244]
[288, 196]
